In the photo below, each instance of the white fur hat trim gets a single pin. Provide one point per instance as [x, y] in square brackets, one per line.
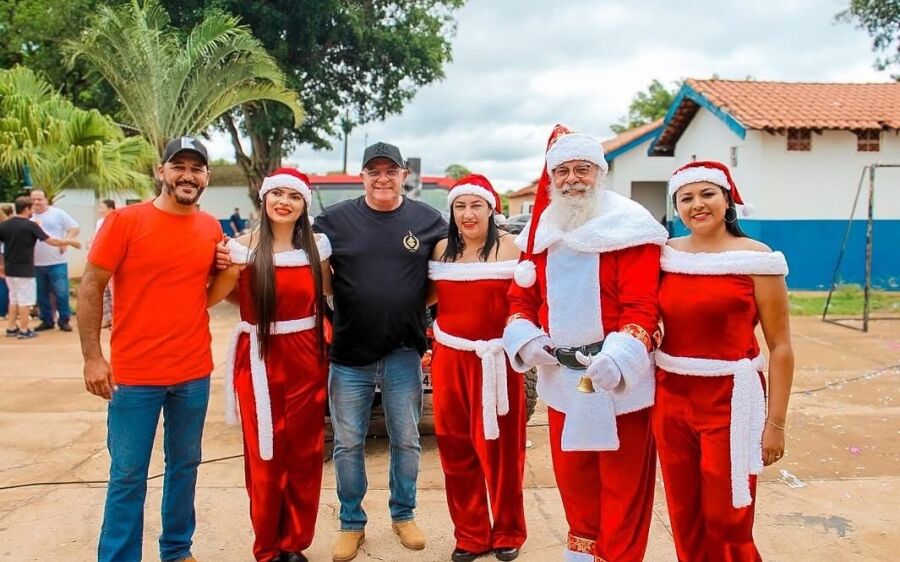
[471, 189]
[576, 146]
[696, 175]
[288, 181]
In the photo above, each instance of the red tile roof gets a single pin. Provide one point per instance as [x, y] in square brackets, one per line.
[801, 105]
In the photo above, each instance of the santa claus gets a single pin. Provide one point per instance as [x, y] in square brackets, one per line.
[584, 312]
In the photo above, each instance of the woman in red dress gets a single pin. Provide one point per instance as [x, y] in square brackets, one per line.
[479, 401]
[714, 429]
[277, 365]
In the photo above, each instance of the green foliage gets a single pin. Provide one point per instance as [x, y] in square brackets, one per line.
[647, 107]
[31, 34]
[65, 146]
[881, 20]
[456, 171]
[366, 58]
[172, 83]
[847, 300]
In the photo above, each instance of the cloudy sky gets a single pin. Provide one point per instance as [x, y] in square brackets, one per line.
[519, 66]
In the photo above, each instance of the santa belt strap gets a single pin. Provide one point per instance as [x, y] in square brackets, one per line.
[494, 395]
[566, 355]
[259, 377]
[748, 412]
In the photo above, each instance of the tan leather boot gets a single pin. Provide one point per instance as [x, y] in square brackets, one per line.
[410, 535]
[347, 545]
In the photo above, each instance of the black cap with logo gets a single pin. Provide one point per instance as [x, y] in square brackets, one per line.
[383, 150]
[185, 144]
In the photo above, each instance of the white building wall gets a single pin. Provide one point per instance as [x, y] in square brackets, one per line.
[787, 185]
[636, 165]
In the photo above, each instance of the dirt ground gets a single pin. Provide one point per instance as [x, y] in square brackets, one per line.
[833, 497]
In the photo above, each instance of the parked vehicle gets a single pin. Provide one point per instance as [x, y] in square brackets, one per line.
[516, 223]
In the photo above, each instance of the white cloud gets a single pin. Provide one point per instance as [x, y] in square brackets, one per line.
[522, 65]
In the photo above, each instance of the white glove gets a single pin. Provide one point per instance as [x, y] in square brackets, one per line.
[533, 353]
[602, 370]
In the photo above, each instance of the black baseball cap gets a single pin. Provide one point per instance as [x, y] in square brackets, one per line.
[383, 150]
[185, 144]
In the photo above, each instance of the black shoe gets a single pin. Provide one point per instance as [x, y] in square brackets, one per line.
[295, 557]
[12, 333]
[506, 554]
[460, 555]
[26, 335]
[65, 327]
[44, 326]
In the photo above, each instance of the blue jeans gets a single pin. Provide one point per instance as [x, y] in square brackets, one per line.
[55, 279]
[4, 297]
[132, 418]
[351, 391]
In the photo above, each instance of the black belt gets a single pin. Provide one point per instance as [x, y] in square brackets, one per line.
[566, 355]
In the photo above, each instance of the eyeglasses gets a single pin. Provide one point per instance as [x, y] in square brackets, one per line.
[581, 171]
[392, 173]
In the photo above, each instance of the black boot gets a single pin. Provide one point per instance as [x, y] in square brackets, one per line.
[506, 554]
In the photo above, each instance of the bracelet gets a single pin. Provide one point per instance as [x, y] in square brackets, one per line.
[775, 425]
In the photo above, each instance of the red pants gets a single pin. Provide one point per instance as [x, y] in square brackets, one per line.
[608, 496]
[284, 491]
[691, 420]
[475, 468]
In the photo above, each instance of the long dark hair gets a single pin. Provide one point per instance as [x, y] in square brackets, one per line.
[733, 228]
[262, 277]
[455, 244]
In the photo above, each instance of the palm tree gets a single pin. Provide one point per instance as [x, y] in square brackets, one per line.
[63, 145]
[171, 86]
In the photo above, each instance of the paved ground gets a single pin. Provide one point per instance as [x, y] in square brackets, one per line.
[843, 445]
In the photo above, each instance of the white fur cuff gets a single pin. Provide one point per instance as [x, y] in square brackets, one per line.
[288, 181]
[471, 189]
[518, 333]
[631, 357]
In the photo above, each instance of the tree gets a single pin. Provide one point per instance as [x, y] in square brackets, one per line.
[32, 33]
[881, 19]
[646, 107]
[457, 171]
[363, 58]
[65, 146]
[171, 84]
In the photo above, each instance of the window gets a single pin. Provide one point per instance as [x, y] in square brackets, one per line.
[799, 139]
[868, 140]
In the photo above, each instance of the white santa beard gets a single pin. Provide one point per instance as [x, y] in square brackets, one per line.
[568, 211]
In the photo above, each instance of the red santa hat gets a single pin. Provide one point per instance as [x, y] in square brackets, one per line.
[564, 145]
[476, 184]
[287, 178]
[708, 171]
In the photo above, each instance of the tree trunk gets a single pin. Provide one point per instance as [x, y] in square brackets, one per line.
[266, 151]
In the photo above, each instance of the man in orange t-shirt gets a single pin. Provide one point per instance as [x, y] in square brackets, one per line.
[159, 254]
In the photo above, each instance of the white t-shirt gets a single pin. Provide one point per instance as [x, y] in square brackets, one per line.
[55, 222]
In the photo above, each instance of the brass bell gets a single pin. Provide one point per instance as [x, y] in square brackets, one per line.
[585, 385]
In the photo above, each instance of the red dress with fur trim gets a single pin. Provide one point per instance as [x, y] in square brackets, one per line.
[710, 403]
[479, 406]
[592, 283]
[283, 415]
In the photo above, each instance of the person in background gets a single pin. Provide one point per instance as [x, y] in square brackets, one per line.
[237, 223]
[51, 266]
[278, 365]
[105, 208]
[6, 211]
[714, 429]
[19, 235]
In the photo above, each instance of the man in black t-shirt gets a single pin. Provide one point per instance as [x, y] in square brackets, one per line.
[381, 243]
[19, 234]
